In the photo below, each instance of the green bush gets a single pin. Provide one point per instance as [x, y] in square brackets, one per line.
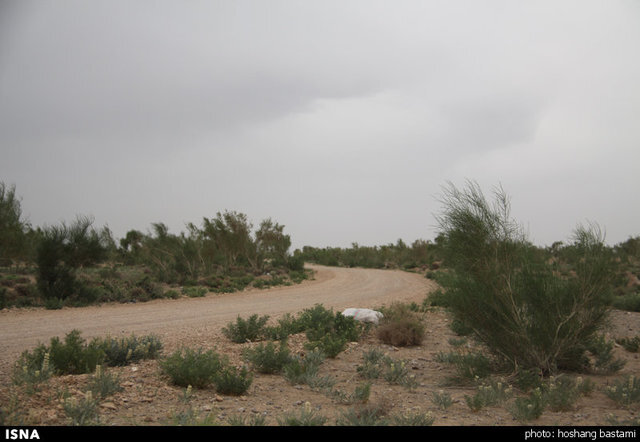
[73, 356]
[103, 383]
[124, 351]
[232, 381]
[328, 331]
[197, 368]
[246, 330]
[513, 298]
[267, 359]
[83, 411]
[625, 391]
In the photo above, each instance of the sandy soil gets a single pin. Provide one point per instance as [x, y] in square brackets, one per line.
[148, 399]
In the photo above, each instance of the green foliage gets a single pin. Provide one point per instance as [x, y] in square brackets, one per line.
[420, 253]
[103, 383]
[303, 370]
[73, 356]
[83, 411]
[367, 415]
[61, 251]
[232, 380]
[305, 417]
[631, 345]
[605, 363]
[12, 227]
[197, 368]
[124, 351]
[413, 419]
[327, 331]
[441, 399]
[625, 391]
[246, 330]
[512, 298]
[267, 358]
[529, 408]
[489, 394]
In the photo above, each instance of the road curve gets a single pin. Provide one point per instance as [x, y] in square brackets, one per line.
[337, 288]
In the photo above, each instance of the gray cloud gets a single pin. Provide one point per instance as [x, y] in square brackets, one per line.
[340, 120]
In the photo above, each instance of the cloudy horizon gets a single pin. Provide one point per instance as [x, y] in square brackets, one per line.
[341, 120]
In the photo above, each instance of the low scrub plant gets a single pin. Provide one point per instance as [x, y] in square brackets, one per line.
[401, 326]
[128, 350]
[267, 359]
[366, 415]
[561, 393]
[83, 411]
[32, 376]
[246, 330]
[413, 419]
[305, 417]
[529, 408]
[625, 392]
[103, 383]
[632, 345]
[441, 399]
[71, 356]
[197, 368]
[488, 394]
[303, 370]
[232, 381]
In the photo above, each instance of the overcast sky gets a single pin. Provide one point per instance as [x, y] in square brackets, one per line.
[341, 120]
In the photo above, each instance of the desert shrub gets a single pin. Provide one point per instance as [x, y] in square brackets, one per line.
[625, 391]
[73, 356]
[374, 363]
[441, 399]
[413, 419]
[232, 380]
[305, 417]
[124, 351]
[246, 330]
[632, 345]
[287, 325]
[61, 251]
[489, 394]
[32, 376]
[469, 366]
[302, 370]
[331, 344]
[401, 325]
[629, 302]
[103, 383]
[195, 291]
[512, 297]
[328, 331]
[197, 368]
[605, 363]
[367, 415]
[83, 411]
[529, 408]
[360, 395]
[267, 358]
[561, 393]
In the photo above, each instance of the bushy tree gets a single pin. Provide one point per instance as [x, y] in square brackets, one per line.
[514, 301]
[12, 226]
[61, 251]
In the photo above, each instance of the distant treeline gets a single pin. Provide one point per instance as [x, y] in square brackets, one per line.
[420, 254]
[223, 247]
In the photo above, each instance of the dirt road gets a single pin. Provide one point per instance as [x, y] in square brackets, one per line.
[179, 320]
